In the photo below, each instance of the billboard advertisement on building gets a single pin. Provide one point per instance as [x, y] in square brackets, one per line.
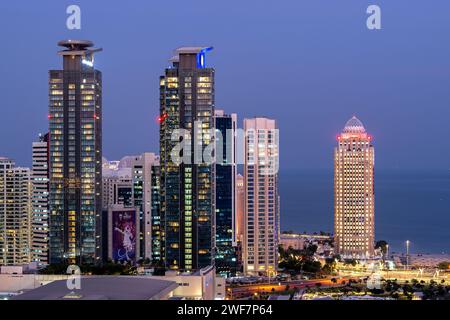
[124, 235]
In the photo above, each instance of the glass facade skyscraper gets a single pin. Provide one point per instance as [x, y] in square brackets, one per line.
[187, 188]
[75, 127]
[226, 238]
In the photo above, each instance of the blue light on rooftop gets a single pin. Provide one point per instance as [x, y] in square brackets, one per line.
[201, 57]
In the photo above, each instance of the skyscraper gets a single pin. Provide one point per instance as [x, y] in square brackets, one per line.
[354, 197]
[261, 234]
[226, 237]
[39, 201]
[141, 172]
[240, 207]
[75, 117]
[157, 246]
[240, 218]
[187, 188]
[15, 214]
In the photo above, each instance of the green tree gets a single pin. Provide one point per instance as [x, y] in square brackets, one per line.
[350, 262]
[330, 266]
[58, 269]
[444, 265]
[299, 261]
[383, 245]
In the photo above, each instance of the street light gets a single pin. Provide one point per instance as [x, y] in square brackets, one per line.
[407, 254]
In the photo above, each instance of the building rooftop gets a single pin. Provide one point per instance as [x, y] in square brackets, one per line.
[354, 125]
[188, 50]
[77, 47]
[193, 50]
[75, 44]
[104, 288]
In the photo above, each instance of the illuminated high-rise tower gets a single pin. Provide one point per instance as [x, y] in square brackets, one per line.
[188, 186]
[39, 201]
[142, 177]
[354, 197]
[226, 237]
[262, 211]
[240, 205]
[15, 213]
[240, 218]
[75, 116]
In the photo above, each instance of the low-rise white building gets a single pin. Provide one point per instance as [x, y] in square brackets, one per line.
[200, 285]
[301, 241]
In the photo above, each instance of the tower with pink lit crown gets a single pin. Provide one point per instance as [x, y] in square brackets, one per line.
[354, 196]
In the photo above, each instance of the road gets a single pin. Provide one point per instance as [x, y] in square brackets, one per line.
[249, 290]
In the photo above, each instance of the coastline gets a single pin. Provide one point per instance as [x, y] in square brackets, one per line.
[409, 205]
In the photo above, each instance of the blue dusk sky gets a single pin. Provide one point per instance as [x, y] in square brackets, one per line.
[310, 64]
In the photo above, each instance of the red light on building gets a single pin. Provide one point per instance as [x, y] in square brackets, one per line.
[164, 117]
